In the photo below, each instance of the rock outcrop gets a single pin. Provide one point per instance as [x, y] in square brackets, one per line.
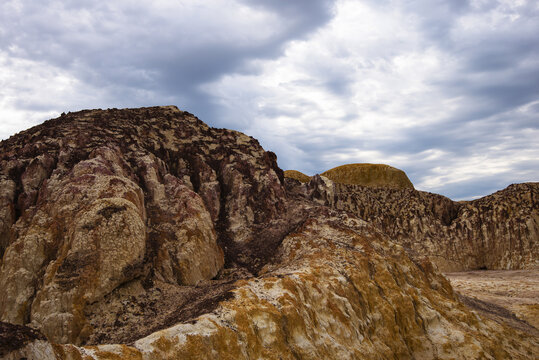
[97, 199]
[499, 231]
[146, 234]
[371, 175]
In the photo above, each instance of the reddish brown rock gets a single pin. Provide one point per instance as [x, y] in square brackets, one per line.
[7, 212]
[97, 199]
[16, 337]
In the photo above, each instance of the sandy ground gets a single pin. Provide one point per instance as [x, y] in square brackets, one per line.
[511, 296]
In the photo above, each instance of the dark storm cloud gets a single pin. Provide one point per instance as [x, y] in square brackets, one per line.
[122, 44]
[494, 81]
[462, 134]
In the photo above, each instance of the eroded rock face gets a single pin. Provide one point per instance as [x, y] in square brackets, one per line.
[97, 199]
[499, 231]
[15, 337]
[7, 212]
[340, 290]
[145, 234]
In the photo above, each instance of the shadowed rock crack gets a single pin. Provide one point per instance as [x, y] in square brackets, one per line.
[13, 337]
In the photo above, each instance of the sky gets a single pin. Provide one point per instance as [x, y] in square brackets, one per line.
[447, 91]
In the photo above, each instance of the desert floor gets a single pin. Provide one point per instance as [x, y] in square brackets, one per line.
[510, 296]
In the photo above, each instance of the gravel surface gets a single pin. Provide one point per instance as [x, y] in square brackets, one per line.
[492, 291]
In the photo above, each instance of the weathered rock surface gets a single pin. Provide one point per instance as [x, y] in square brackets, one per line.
[97, 199]
[15, 337]
[371, 175]
[499, 231]
[145, 234]
[340, 290]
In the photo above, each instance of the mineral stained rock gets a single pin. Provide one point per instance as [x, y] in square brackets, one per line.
[499, 231]
[146, 234]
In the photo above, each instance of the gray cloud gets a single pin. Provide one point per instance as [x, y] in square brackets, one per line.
[137, 46]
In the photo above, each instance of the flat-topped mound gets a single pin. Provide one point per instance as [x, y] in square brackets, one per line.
[369, 175]
[297, 175]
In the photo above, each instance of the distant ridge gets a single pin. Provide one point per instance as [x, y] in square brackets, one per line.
[298, 175]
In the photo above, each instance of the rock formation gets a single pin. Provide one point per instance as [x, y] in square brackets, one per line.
[97, 199]
[371, 175]
[147, 229]
[499, 231]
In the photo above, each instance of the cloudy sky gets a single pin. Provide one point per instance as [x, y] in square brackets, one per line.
[446, 90]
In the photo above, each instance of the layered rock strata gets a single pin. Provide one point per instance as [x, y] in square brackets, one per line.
[145, 234]
[499, 231]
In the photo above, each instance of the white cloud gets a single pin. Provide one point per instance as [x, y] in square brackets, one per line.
[352, 79]
[26, 88]
[371, 80]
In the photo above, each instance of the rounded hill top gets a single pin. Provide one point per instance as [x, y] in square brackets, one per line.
[369, 175]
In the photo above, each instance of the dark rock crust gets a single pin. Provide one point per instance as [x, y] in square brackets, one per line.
[13, 337]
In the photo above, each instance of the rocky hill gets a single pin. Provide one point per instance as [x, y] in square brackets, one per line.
[297, 175]
[371, 175]
[146, 234]
[499, 231]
